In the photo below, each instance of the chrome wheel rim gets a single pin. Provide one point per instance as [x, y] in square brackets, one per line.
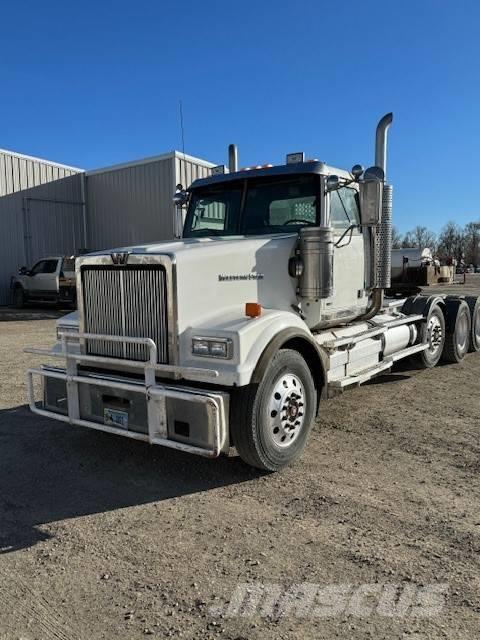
[435, 334]
[286, 410]
[462, 332]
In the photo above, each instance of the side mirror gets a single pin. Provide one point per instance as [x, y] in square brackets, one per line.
[180, 197]
[333, 183]
[371, 192]
[23, 271]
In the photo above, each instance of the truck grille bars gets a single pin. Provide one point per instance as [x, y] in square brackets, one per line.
[125, 301]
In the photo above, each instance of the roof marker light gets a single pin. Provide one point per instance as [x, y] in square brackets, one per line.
[295, 158]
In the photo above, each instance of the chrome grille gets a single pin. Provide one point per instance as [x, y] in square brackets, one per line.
[126, 301]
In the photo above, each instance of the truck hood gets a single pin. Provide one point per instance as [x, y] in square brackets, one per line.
[215, 276]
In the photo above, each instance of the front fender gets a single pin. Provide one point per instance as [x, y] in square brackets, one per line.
[255, 341]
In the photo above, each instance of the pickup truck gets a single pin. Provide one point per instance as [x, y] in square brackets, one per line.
[51, 279]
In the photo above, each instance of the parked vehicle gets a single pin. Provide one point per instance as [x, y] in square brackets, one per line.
[233, 336]
[51, 279]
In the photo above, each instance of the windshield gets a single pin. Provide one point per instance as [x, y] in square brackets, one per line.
[253, 207]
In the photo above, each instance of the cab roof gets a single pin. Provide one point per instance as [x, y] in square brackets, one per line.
[299, 168]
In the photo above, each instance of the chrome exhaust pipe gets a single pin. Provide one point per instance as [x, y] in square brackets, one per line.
[381, 141]
[381, 238]
[232, 158]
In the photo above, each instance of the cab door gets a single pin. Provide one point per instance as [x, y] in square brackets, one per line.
[349, 256]
[43, 279]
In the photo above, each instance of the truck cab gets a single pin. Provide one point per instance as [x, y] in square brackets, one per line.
[270, 202]
[51, 279]
[231, 336]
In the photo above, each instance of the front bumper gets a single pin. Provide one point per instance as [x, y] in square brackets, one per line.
[179, 417]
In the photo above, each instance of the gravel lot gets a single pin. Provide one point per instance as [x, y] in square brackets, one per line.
[103, 537]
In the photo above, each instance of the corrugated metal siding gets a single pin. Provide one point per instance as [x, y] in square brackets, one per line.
[19, 172]
[53, 227]
[129, 204]
[133, 204]
[187, 170]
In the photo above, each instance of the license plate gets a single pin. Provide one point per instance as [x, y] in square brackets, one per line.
[115, 418]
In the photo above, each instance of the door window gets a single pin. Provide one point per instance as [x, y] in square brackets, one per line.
[45, 266]
[344, 209]
[38, 268]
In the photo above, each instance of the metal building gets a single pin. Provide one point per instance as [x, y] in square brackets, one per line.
[41, 208]
[132, 203]
[48, 208]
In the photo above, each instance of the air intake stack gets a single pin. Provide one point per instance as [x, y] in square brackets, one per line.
[232, 158]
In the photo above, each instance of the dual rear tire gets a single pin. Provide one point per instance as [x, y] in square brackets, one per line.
[451, 330]
[458, 321]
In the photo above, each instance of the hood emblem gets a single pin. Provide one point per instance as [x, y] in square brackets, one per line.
[119, 259]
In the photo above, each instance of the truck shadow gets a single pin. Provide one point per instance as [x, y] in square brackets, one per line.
[50, 471]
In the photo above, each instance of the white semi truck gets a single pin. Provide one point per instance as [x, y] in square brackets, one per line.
[232, 336]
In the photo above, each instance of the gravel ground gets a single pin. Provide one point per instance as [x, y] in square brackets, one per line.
[103, 537]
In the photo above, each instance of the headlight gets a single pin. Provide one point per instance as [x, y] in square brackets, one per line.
[66, 329]
[213, 347]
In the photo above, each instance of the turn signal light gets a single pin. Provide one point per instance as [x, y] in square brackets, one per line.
[253, 309]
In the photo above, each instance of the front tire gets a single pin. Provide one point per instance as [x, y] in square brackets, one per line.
[271, 421]
[19, 298]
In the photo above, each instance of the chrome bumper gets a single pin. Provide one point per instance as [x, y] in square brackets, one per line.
[202, 414]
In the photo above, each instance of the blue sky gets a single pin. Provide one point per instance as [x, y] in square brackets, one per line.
[95, 83]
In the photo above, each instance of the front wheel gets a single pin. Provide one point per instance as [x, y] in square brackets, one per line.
[19, 298]
[271, 421]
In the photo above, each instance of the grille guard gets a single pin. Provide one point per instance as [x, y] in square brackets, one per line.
[155, 394]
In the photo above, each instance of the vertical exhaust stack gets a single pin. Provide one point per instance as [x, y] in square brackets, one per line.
[232, 158]
[381, 142]
[384, 244]
[381, 237]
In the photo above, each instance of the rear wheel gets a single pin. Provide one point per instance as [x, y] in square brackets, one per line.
[433, 333]
[271, 421]
[458, 330]
[474, 306]
[19, 298]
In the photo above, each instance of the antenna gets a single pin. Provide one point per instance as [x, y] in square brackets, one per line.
[180, 105]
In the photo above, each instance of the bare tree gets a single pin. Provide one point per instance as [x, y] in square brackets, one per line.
[424, 238]
[396, 238]
[420, 237]
[451, 242]
[408, 241]
[471, 237]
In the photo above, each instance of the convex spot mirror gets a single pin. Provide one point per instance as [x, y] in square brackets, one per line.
[371, 191]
